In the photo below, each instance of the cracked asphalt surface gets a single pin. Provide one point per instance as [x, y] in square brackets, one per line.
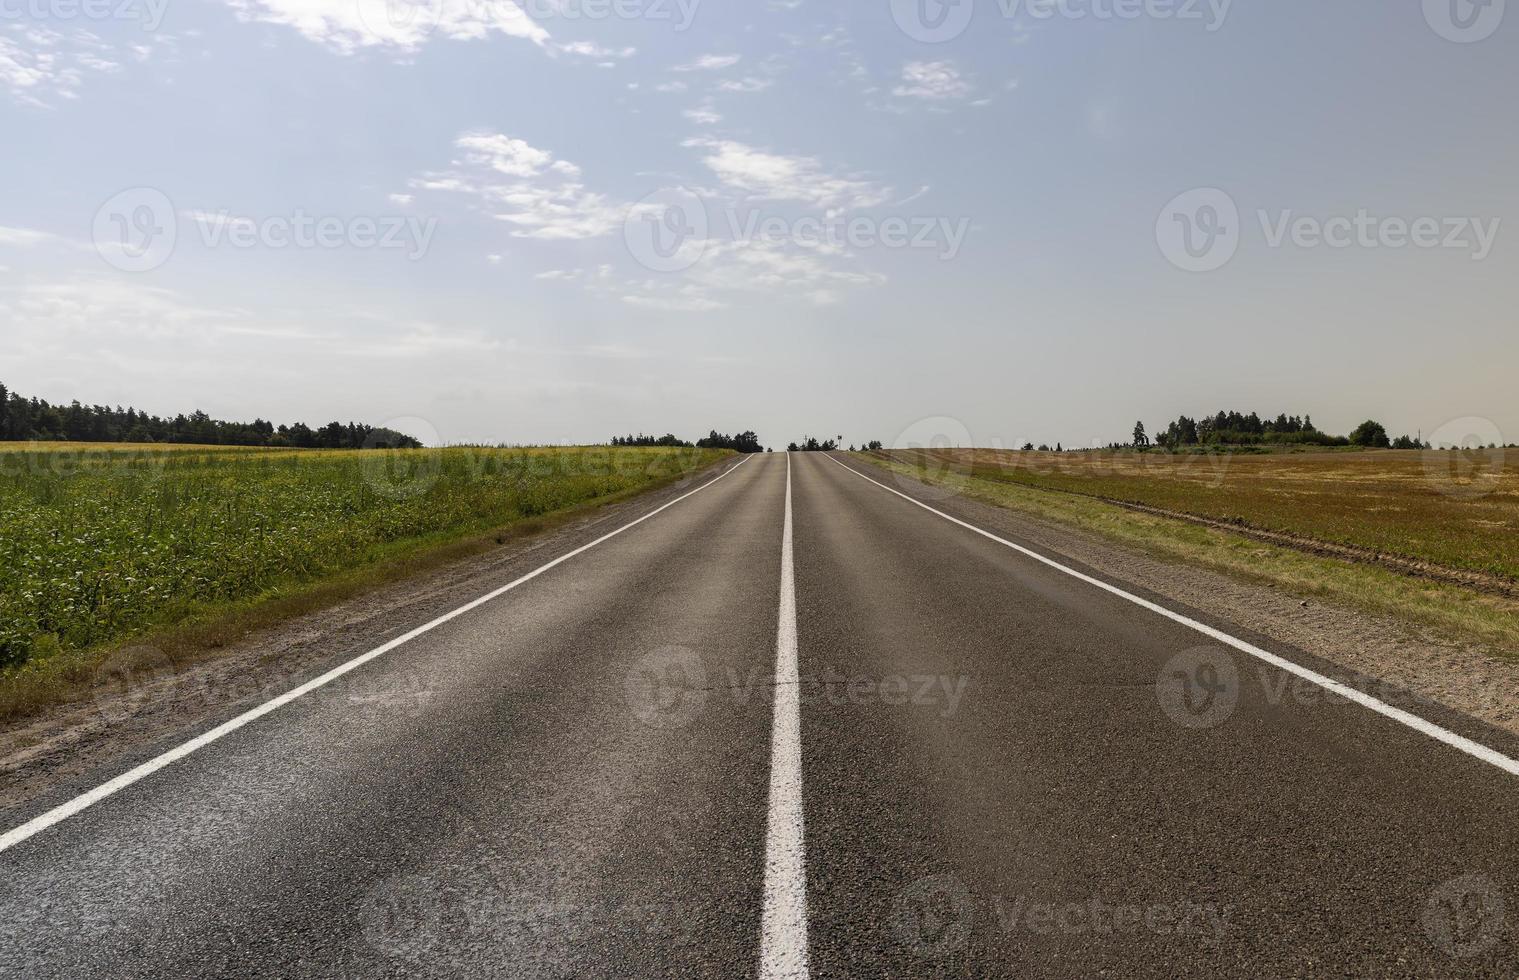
[1005, 772]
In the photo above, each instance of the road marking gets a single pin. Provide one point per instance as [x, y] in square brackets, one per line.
[83, 801]
[1474, 749]
[783, 926]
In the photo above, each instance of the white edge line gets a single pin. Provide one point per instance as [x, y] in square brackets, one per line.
[88, 799]
[783, 924]
[1475, 749]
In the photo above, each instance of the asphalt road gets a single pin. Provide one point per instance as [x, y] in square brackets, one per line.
[970, 763]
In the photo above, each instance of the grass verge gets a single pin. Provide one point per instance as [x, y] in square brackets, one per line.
[59, 676]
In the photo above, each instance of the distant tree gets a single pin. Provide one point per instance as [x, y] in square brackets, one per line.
[744, 442]
[1028, 447]
[1370, 434]
[1140, 439]
[873, 445]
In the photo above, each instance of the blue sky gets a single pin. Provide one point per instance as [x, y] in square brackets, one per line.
[556, 221]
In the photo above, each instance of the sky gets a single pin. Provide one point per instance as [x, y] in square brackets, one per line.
[976, 221]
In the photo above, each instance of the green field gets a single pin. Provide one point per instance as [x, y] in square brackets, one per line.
[101, 542]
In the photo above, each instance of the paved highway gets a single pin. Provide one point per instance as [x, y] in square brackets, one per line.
[792, 723]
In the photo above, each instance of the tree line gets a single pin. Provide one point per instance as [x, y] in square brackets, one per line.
[812, 444]
[744, 442]
[1238, 429]
[33, 419]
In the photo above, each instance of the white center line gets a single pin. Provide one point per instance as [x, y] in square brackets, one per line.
[783, 927]
[88, 799]
[1459, 742]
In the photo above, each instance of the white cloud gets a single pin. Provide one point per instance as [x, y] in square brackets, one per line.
[745, 85]
[25, 237]
[686, 299]
[774, 267]
[703, 115]
[40, 65]
[777, 177]
[345, 26]
[934, 81]
[590, 49]
[711, 62]
[546, 200]
[561, 275]
[505, 155]
[401, 200]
